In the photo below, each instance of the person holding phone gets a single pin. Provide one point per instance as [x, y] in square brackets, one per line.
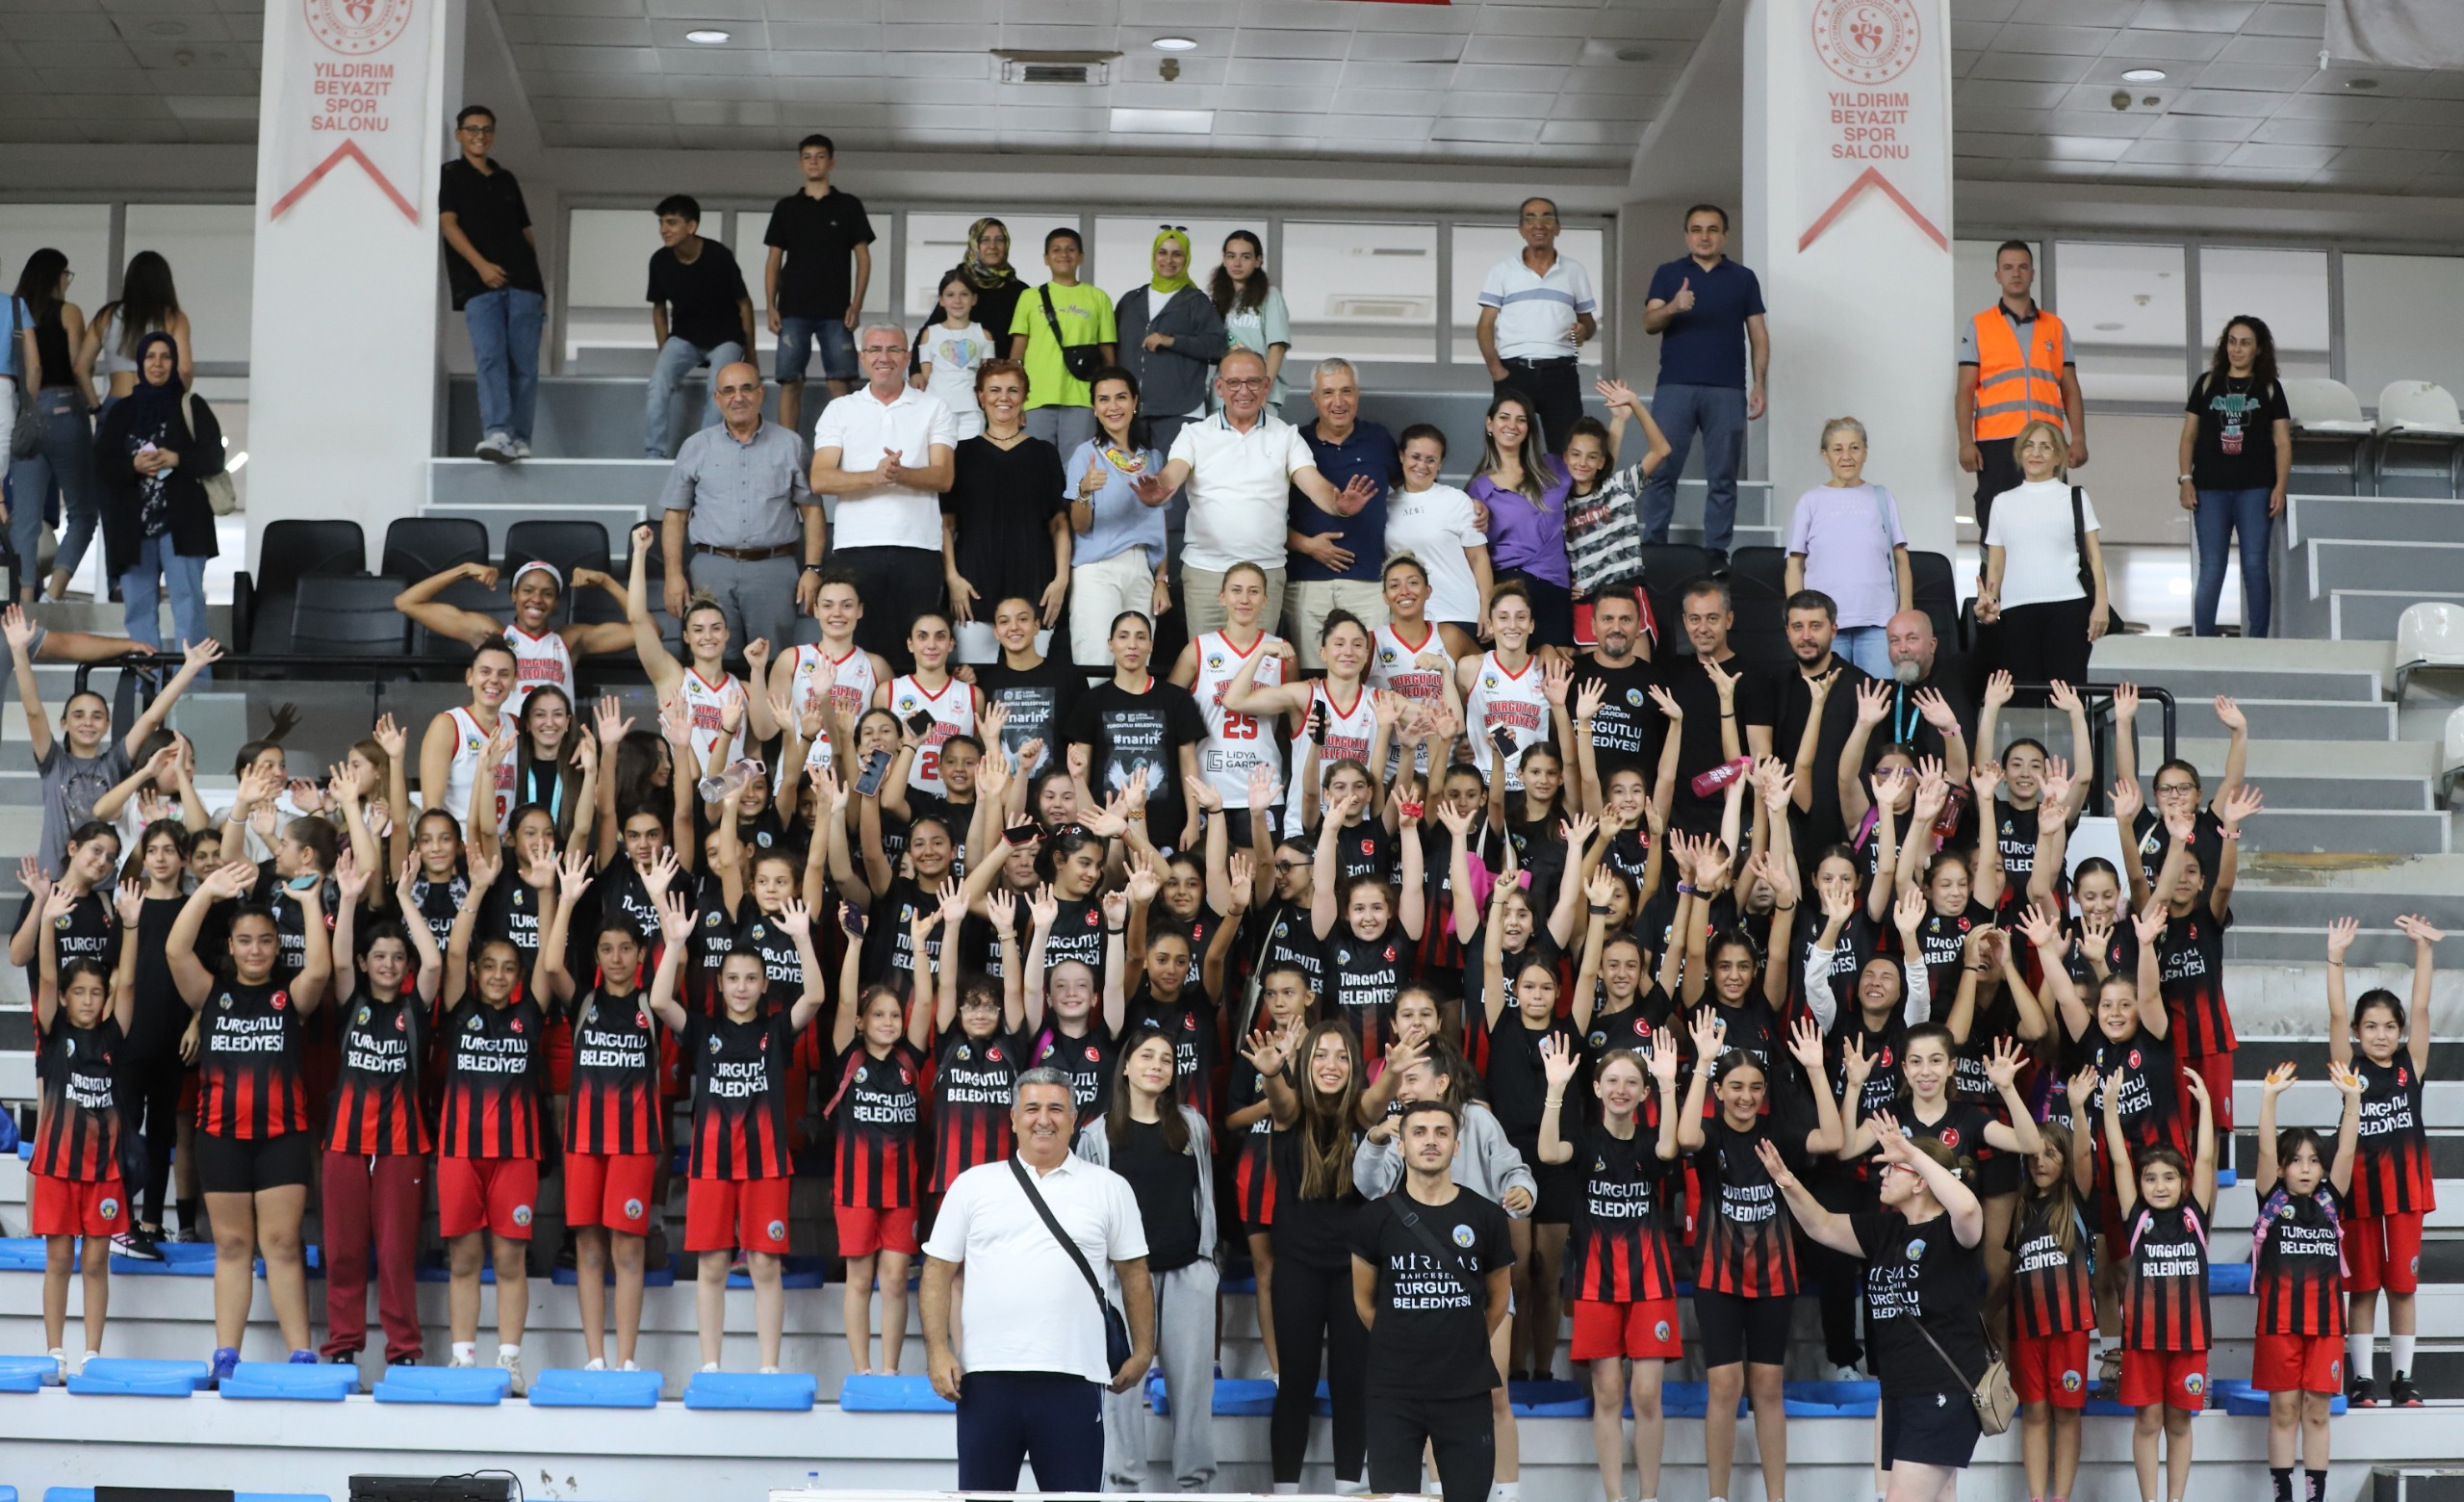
[932, 704]
[1140, 730]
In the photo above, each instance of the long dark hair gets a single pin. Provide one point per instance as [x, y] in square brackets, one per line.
[2261, 364]
[568, 775]
[1139, 437]
[1168, 1106]
[1246, 297]
[39, 283]
[147, 300]
[1326, 1125]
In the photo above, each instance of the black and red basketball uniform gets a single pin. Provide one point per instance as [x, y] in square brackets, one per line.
[1860, 940]
[1188, 1020]
[250, 1083]
[973, 1081]
[291, 917]
[1284, 935]
[378, 1108]
[875, 1113]
[2150, 1106]
[707, 951]
[2121, 955]
[2015, 832]
[1077, 933]
[510, 911]
[623, 898]
[2296, 1257]
[1363, 974]
[612, 1107]
[1088, 1059]
[1538, 950]
[2164, 1297]
[1960, 1128]
[1201, 926]
[1617, 1252]
[1942, 940]
[90, 930]
[438, 904]
[741, 1127]
[2050, 1284]
[1886, 1050]
[77, 1135]
[1745, 1234]
[491, 1055]
[1753, 1028]
[2189, 956]
[1254, 1186]
[1368, 848]
[889, 958]
[2390, 1167]
[1631, 1027]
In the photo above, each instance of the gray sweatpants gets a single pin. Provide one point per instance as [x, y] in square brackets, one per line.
[1185, 1352]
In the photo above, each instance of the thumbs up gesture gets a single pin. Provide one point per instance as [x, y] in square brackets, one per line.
[1684, 301]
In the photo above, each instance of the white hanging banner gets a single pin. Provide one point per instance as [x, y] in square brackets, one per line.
[1881, 124]
[2415, 34]
[350, 84]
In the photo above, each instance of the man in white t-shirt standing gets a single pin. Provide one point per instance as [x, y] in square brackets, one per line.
[1242, 465]
[1031, 1372]
[882, 456]
[1536, 311]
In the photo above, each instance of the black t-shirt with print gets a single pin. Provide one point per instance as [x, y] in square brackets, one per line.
[1917, 1274]
[1127, 729]
[2236, 445]
[1431, 1337]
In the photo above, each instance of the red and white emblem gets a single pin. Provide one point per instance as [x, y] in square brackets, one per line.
[1866, 41]
[356, 28]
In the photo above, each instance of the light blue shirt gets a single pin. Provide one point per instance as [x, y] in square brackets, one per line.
[1122, 521]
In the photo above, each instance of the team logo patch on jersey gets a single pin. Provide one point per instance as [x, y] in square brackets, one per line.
[2134, 1058]
[2195, 1384]
[521, 1215]
[362, 1016]
[1488, 680]
[1885, 1061]
[712, 919]
[474, 1024]
[63, 922]
[2335, 1369]
[1189, 1021]
[1215, 661]
[2071, 1382]
[1094, 1056]
[401, 1021]
[517, 1024]
[757, 931]
[2284, 1212]
[1463, 1236]
[864, 1072]
[1950, 1136]
[68, 1048]
[107, 1210]
[633, 1209]
[966, 1052]
[1634, 698]
[1917, 1249]
[2403, 1077]
[778, 1230]
[1093, 918]
[281, 1000]
[714, 1044]
[991, 1055]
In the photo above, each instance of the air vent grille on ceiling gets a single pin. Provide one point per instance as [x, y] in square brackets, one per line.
[1079, 69]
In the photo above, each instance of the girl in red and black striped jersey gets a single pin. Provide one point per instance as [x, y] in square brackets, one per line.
[1618, 1273]
[489, 1136]
[1286, 1006]
[2165, 1205]
[2298, 1254]
[875, 1112]
[742, 1151]
[1170, 994]
[1074, 1035]
[2053, 1308]
[980, 1053]
[254, 1142]
[82, 1025]
[377, 1142]
[1369, 938]
[1748, 1280]
[2198, 907]
[615, 1121]
[2388, 1045]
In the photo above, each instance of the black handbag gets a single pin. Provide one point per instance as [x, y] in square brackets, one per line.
[1116, 1345]
[1081, 361]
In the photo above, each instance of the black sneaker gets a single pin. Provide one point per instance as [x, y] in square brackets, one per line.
[343, 1358]
[2402, 1393]
[2360, 1392]
[391, 1360]
[134, 1242]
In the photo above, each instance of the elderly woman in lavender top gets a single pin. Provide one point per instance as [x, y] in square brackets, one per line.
[1845, 541]
[1524, 488]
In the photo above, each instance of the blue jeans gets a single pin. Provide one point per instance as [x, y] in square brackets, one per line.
[1719, 412]
[140, 593]
[797, 337]
[675, 360]
[2220, 514]
[1867, 647]
[66, 456]
[504, 340]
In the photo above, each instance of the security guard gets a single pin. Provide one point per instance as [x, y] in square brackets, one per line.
[2015, 366]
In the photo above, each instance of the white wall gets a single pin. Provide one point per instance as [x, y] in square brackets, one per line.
[2404, 320]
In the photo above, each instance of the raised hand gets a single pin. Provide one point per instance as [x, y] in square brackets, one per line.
[2002, 1065]
[2418, 929]
[1557, 1062]
[2242, 803]
[675, 921]
[2150, 923]
[2279, 1079]
[2128, 803]
[1709, 1031]
[1935, 709]
[1663, 1059]
[2229, 715]
[129, 902]
[1556, 675]
[1245, 873]
[1856, 1065]
[1043, 909]
[1675, 712]
[2063, 697]
[1873, 702]
[2340, 933]
[350, 880]
[1805, 1043]
[1907, 912]
[1998, 688]
[572, 876]
[2347, 1080]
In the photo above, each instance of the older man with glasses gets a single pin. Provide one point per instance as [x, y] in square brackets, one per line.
[738, 513]
[884, 452]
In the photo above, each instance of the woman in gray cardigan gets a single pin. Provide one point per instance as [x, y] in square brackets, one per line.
[1163, 1149]
[1169, 338]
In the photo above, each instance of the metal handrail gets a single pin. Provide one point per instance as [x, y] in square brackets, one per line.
[2099, 700]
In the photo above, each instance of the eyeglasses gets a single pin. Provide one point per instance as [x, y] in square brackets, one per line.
[1291, 866]
[1241, 382]
[479, 130]
[2174, 789]
[1179, 229]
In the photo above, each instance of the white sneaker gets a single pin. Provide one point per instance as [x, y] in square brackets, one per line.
[509, 1358]
[519, 448]
[60, 1360]
[1846, 1374]
[496, 448]
[769, 1372]
[91, 1357]
[595, 1364]
[630, 1366]
[463, 1361]
[709, 1366]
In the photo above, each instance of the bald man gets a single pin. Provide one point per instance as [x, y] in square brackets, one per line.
[1918, 662]
[740, 514]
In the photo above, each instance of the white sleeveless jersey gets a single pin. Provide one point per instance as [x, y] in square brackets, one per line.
[708, 702]
[1234, 742]
[469, 739]
[1508, 701]
[543, 659]
[1352, 730]
[953, 711]
[851, 692]
[1394, 665]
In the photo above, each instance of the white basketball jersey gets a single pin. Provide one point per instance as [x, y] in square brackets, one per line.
[1234, 742]
[1394, 665]
[851, 692]
[1508, 701]
[539, 659]
[708, 702]
[1350, 732]
[469, 739]
[953, 711]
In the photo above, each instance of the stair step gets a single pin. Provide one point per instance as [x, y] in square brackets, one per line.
[2371, 518]
[2246, 943]
[2263, 904]
[2382, 831]
[2318, 720]
[2371, 615]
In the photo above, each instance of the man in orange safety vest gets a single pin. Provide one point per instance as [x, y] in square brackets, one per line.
[2016, 367]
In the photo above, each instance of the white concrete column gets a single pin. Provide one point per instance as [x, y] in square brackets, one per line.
[355, 127]
[1847, 221]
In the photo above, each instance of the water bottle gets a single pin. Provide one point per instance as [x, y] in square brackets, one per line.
[739, 775]
[1720, 776]
[1954, 808]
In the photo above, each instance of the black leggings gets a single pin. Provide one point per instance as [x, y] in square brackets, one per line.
[151, 1086]
[1313, 1312]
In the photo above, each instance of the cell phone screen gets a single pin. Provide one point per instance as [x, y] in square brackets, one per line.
[921, 722]
[875, 765]
[1504, 739]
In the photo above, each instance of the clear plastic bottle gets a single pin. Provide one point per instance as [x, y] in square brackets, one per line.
[738, 776]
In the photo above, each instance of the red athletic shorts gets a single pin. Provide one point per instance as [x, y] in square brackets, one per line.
[77, 1207]
[2298, 1363]
[2050, 1368]
[863, 1231]
[2383, 1252]
[2216, 1072]
[722, 1214]
[610, 1189]
[1644, 1330]
[2176, 1379]
[486, 1194]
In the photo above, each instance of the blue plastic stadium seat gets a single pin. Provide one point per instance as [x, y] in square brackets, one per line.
[440, 1272]
[2228, 1278]
[2107, 1408]
[180, 1260]
[2244, 1401]
[476, 1386]
[1688, 1400]
[121, 1378]
[87, 1494]
[282, 1381]
[787, 1392]
[1248, 1282]
[568, 1387]
[651, 1277]
[21, 1253]
[902, 1394]
[1549, 1399]
[1832, 1399]
[797, 1272]
[312, 1257]
[26, 1373]
[1241, 1397]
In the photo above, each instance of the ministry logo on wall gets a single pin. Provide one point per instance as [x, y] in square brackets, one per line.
[352, 85]
[354, 28]
[1882, 121]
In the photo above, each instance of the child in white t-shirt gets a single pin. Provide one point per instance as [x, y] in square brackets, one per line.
[951, 352]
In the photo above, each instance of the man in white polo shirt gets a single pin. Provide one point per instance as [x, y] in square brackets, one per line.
[1536, 311]
[1031, 1372]
[883, 454]
[1242, 466]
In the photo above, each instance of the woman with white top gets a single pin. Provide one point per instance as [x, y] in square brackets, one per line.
[948, 352]
[1439, 526]
[1251, 307]
[147, 304]
[2045, 574]
[1845, 541]
[1116, 562]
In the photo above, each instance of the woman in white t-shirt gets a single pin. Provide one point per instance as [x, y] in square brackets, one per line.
[1439, 526]
[2045, 574]
[948, 352]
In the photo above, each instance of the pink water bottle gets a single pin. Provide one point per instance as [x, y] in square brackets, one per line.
[1720, 776]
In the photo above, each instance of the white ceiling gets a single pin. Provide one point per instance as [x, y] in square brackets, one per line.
[147, 72]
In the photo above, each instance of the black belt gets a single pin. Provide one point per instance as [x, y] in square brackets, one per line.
[748, 554]
[1522, 360]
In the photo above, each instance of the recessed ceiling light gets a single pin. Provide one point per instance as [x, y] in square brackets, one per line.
[1162, 122]
[2361, 82]
[2144, 75]
[1176, 44]
[2109, 329]
[706, 36]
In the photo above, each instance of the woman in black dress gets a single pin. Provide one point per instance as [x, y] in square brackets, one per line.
[1005, 523]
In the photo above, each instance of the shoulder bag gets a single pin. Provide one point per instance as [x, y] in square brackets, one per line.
[1991, 1393]
[2079, 542]
[219, 492]
[1083, 360]
[1117, 1344]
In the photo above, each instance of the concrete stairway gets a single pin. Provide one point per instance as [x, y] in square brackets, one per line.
[2347, 565]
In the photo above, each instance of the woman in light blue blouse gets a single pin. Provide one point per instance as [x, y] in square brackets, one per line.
[1118, 562]
[1251, 307]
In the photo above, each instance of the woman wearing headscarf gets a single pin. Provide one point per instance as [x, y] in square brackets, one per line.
[151, 459]
[987, 268]
[1170, 337]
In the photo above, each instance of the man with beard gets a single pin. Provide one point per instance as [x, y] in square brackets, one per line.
[1627, 731]
[1816, 710]
[1918, 664]
[1727, 704]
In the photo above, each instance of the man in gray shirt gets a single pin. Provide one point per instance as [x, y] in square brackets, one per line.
[739, 515]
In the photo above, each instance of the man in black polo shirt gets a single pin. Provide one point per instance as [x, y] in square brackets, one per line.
[1917, 664]
[1812, 626]
[1432, 1268]
[698, 311]
[1726, 716]
[1627, 731]
[494, 273]
[815, 234]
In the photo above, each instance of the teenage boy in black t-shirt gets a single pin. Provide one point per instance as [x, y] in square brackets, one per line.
[815, 234]
[494, 273]
[1431, 1271]
[698, 311]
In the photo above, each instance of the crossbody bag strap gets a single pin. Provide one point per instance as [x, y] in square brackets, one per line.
[1050, 316]
[1966, 1381]
[1408, 1211]
[1026, 1182]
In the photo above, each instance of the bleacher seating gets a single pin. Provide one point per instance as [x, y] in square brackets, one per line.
[2420, 414]
[333, 616]
[289, 551]
[2429, 635]
[417, 547]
